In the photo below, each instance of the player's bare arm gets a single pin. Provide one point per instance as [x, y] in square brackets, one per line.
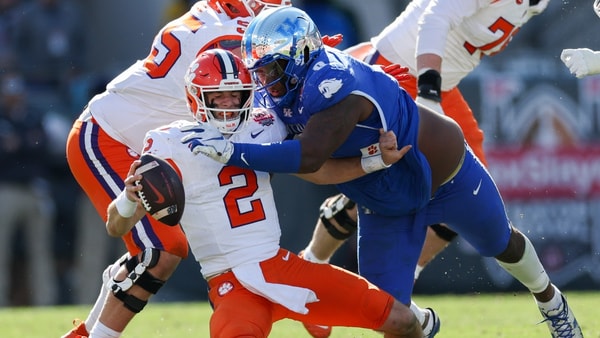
[335, 171]
[117, 224]
[327, 129]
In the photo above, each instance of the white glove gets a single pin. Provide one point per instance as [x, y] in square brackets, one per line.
[581, 62]
[431, 104]
[208, 140]
[597, 7]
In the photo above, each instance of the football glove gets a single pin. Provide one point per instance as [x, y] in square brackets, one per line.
[398, 72]
[597, 7]
[581, 62]
[333, 40]
[206, 139]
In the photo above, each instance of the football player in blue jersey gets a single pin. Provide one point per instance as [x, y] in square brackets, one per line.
[335, 106]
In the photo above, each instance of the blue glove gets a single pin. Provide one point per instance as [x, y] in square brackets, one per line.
[206, 139]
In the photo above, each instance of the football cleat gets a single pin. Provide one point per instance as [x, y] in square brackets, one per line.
[432, 324]
[318, 331]
[79, 331]
[562, 322]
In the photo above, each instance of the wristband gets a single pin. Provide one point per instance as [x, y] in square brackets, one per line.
[429, 85]
[125, 207]
[371, 159]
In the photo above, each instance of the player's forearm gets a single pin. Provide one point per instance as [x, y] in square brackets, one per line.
[336, 171]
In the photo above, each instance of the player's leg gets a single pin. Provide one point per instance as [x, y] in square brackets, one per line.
[367, 307]
[237, 311]
[476, 211]
[99, 164]
[336, 223]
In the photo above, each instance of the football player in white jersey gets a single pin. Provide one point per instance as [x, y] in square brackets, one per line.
[231, 220]
[582, 62]
[108, 136]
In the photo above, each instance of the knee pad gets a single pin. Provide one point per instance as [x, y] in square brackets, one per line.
[137, 275]
[443, 232]
[337, 210]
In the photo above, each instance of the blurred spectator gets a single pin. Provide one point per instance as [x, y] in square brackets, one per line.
[25, 203]
[51, 51]
[8, 15]
[50, 42]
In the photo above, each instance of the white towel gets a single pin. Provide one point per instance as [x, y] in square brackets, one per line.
[292, 297]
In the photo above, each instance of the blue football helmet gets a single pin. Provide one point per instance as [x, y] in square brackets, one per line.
[278, 48]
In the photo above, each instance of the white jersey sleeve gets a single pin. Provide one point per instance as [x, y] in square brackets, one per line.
[151, 92]
[460, 31]
[230, 217]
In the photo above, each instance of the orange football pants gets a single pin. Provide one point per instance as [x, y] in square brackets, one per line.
[453, 103]
[100, 164]
[345, 299]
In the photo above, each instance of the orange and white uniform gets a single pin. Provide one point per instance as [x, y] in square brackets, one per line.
[232, 226]
[461, 32]
[108, 135]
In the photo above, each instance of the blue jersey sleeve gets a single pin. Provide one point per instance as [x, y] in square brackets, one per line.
[328, 84]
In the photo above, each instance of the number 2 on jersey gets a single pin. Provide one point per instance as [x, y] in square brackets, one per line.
[236, 216]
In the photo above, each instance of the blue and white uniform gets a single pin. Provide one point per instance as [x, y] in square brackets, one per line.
[395, 204]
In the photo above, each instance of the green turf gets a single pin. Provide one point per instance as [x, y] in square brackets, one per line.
[465, 316]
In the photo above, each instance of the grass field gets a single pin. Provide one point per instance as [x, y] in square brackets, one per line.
[464, 316]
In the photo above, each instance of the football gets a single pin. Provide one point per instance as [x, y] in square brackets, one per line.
[162, 192]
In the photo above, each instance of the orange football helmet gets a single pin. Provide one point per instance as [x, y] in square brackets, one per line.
[244, 8]
[219, 70]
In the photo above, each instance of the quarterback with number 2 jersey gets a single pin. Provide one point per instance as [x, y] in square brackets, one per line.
[108, 136]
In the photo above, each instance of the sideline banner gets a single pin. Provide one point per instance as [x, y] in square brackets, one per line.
[543, 149]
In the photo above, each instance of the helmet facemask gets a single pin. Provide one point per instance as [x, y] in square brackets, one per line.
[267, 49]
[228, 120]
[219, 71]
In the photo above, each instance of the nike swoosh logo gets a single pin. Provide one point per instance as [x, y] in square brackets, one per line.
[244, 159]
[159, 197]
[286, 257]
[476, 191]
[255, 135]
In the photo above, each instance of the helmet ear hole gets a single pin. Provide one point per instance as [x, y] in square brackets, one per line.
[306, 54]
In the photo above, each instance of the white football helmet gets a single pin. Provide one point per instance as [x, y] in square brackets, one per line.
[281, 42]
[219, 70]
[245, 8]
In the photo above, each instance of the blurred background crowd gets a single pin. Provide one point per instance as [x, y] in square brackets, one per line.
[56, 54]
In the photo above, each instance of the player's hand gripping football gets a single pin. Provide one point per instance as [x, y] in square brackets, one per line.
[206, 139]
[581, 62]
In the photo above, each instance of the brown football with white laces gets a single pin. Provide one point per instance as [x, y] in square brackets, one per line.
[162, 192]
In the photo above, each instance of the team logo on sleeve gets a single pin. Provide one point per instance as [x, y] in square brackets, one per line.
[329, 87]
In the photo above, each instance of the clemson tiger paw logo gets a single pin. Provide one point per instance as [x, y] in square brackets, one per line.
[372, 149]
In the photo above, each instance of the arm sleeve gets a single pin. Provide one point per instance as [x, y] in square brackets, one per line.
[280, 157]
